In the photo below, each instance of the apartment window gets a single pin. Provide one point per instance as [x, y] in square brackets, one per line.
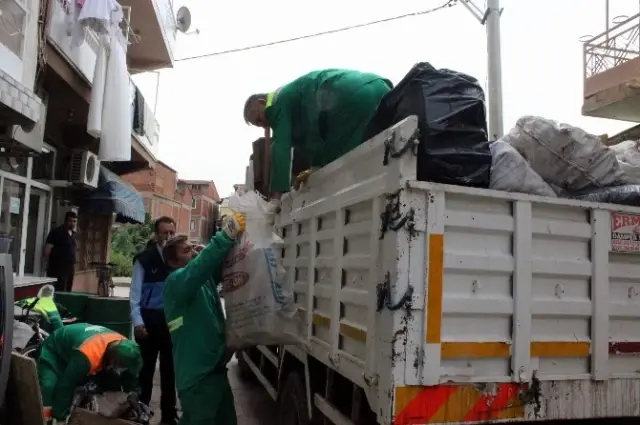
[192, 226]
[13, 22]
[193, 204]
[25, 214]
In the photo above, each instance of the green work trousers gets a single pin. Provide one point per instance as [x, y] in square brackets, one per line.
[208, 402]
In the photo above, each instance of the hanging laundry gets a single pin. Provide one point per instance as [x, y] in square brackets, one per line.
[94, 119]
[138, 113]
[115, 141]
[102, 16]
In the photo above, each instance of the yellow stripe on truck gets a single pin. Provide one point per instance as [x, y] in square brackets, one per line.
[468, 350]
[435, 276]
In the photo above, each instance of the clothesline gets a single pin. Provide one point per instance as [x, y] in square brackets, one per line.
[100, 19]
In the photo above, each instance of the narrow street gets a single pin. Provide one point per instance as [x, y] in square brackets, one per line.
[253, 404]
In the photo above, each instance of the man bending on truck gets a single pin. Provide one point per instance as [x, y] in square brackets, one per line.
[75, 353]
[323, 115]
[197, 325]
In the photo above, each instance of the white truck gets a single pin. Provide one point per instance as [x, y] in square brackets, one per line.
[434, 304]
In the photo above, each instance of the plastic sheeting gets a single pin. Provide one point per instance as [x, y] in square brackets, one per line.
[512, 173]
[564, 155]
[628, 156]
[621, 195]
[115, 143]
[451, 120]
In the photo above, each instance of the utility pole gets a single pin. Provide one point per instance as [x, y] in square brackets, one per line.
[490, 18]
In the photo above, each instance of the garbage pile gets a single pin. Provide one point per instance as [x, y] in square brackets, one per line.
[538, 156]
[542, 157]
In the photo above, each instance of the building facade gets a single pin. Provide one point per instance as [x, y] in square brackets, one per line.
[164, 194]
[204, 210]
[49, 163]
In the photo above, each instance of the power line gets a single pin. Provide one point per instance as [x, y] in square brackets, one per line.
[449, 3]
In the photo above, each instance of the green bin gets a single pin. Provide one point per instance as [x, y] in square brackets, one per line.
[75, 302]
[110, 312]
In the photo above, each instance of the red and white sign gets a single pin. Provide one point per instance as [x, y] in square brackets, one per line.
[625, 232]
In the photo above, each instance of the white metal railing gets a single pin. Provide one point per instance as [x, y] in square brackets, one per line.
[617, 45]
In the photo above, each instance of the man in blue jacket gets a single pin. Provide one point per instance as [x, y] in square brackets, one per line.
[150, 326]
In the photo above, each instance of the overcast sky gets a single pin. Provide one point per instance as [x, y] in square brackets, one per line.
[203, 134]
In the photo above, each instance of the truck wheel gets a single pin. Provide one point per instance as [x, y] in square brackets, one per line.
[244, 371]
[293, 401]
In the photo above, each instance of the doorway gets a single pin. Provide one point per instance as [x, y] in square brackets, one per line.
[36, 228]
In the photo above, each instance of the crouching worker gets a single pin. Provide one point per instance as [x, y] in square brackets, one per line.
[43, 304]
[196, 322]
[75, 353]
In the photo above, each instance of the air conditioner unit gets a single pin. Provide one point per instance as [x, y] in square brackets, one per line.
[30, 136]
[84, 168]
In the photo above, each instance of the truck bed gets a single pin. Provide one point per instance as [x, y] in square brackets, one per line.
[450, 304]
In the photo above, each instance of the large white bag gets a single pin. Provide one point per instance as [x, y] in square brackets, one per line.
[512, 173]
[564, 155]
[259, 302]
[628, 156]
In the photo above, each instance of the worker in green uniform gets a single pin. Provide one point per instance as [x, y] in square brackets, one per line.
[44, 305]
[74, 353]
[322, 115]
[196, 321]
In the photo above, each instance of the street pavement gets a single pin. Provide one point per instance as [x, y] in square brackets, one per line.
[253, 404]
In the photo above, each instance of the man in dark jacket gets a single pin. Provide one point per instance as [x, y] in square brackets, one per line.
[150, 326]
[60, 252]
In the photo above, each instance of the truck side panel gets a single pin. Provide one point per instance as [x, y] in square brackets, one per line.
[522, 290]
[336, 257]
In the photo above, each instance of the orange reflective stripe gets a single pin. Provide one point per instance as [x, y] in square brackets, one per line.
[95, 347]
[457, 403]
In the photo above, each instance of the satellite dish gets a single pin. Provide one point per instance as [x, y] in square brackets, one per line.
[183, 19]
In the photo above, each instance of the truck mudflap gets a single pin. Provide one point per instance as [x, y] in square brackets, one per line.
[470, 403]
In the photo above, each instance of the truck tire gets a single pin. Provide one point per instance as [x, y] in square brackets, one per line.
[244, 371]
[292, 402]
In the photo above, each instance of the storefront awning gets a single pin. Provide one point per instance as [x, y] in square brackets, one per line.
[115, 196]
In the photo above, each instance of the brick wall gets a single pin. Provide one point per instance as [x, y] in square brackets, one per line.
[164, 194]
[204, 212]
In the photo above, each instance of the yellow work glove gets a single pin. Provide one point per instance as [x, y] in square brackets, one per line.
[302, 178]
[233, 225]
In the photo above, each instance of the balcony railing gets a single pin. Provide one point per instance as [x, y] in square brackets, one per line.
[83, 59]
[617, 45]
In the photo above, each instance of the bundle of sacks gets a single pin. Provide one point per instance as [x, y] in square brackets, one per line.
[542, 157]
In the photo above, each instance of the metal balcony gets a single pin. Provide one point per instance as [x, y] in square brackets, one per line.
[612, 72]
[153, 26]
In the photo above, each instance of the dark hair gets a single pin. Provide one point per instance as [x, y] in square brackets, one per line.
[163, 219]
[170, 250]
[249, 102]
[70, 215]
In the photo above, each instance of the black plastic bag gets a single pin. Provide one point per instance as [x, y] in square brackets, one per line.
[622, 195]
[451, 120]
